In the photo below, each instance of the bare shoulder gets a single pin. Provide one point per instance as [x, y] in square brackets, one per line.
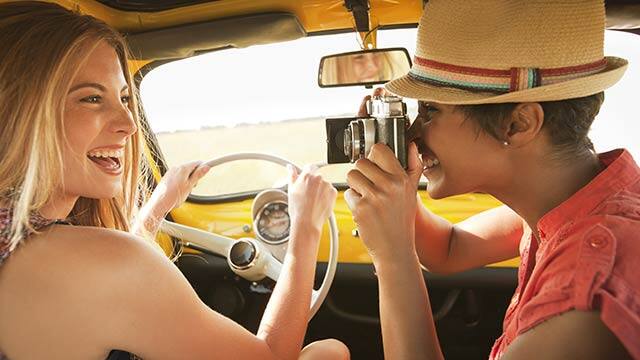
[75, 278]
[65, 253]
[86, 241]
[74, 257]
[571, 335]
[92, 290]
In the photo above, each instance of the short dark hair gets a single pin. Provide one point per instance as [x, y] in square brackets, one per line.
[566, 121]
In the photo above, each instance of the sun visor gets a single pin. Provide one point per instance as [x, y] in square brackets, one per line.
[623, 16]
[188, 40]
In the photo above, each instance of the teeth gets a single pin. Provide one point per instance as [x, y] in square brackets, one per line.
[429, 163]
[106, 153]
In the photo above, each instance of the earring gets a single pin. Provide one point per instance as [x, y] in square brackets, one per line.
[505, 143]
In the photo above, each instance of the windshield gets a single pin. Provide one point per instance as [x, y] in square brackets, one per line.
[267, 99]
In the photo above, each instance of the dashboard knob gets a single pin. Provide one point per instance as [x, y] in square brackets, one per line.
[242, 254]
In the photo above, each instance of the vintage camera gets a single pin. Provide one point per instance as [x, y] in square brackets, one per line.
[349, 139]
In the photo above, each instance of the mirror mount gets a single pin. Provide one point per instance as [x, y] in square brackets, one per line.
[369, 39]
[360, 10]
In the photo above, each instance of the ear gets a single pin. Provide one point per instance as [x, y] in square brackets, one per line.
[524, 124]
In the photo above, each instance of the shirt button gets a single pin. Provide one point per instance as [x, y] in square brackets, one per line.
[515, 299]
[598, 241]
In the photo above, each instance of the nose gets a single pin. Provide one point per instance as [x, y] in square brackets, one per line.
[415, 133]
[123, 122]
[415, 130]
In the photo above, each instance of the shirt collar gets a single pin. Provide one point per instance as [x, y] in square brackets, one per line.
[620, 172]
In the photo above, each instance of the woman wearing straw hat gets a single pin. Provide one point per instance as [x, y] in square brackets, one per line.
[507, 91]
[71, 148]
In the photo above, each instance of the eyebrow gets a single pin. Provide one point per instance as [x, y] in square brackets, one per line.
[95, 86]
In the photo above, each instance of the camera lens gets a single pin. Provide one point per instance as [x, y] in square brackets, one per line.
[348, 145]
[354, 141]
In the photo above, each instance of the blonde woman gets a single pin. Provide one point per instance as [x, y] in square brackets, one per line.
[75, 283]
[359, 68]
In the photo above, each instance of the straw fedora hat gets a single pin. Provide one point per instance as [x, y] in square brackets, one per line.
[498, 51]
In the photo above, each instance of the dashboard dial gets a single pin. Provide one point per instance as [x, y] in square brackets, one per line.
[272, 222]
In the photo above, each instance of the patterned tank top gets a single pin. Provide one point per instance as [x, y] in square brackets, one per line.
[38, 223]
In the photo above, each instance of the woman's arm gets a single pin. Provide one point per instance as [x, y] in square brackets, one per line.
[571, 335]
[159, 316]
[384, 204]
[382, 199]
[489, 237]
[173, 189]
[408, 329]
[284, 322]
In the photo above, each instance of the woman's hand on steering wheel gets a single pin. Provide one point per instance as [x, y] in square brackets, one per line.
[311, 199]
[177, 183]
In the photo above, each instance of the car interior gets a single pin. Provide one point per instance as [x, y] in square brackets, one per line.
[230, 236]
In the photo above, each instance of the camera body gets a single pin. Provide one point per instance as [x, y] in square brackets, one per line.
[349, 139]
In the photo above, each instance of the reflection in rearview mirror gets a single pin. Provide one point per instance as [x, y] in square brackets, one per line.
[365, 67]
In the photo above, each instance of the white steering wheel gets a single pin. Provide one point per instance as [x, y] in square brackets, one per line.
[250, 258]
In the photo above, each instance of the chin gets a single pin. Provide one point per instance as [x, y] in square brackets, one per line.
[435, 192]
[440, 190]
[105, 193]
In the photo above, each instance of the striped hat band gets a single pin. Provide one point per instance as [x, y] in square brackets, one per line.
[500, 81]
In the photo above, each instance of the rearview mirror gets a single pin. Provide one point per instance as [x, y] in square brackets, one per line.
[366, 67]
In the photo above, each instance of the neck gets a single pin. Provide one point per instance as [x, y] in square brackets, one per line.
[540, 188]
[59, 207]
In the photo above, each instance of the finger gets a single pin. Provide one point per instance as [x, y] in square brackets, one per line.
[351, 197]
[415, 165]
[384, 157]
[293, 173]
[360, 183]
[192, 167]
[362, 112]
[200, 171]
[310, 168]
[371, 171]
[379, 91]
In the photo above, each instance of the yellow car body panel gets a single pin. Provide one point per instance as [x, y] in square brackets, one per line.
[233, 220]
[318, 15]
[136, 65]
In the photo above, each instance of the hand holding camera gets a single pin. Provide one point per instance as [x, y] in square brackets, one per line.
[383, 184]
[385, 121]
[382, 198]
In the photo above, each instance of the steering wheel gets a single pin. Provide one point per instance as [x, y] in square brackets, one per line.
[250, 258]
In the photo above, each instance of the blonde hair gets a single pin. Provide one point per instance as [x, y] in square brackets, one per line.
[343, 67]
[43, 46]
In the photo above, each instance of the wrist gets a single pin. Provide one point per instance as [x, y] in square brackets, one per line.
[395, 259]
[159, 205]
[306, 228]
[304, 237]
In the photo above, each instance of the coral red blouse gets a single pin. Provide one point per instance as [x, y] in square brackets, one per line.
[588, 258]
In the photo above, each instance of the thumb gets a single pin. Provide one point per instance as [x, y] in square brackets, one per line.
[362, 111]
[415, 165]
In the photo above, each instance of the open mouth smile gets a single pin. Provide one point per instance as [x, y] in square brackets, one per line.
[108, 160]
[429, 160]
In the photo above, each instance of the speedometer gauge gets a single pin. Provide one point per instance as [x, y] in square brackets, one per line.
[272, 222]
